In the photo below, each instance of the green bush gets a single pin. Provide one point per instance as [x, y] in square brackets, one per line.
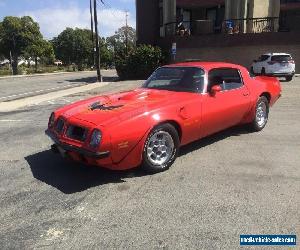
[5, 72]
[140, 63]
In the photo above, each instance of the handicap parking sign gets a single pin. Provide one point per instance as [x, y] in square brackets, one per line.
[174, 49]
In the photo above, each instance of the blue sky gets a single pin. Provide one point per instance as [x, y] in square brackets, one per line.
[55, 15]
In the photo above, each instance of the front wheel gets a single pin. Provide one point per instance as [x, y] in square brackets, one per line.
[160, 149]
[261, 114]
[289, 78]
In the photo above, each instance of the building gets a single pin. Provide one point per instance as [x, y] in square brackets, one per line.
[229, 30]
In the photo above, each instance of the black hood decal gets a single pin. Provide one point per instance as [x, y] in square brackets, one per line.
[99, 106]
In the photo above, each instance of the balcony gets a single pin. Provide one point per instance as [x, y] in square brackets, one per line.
[232, 26]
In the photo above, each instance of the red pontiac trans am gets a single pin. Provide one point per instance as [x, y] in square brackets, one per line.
[178, 104]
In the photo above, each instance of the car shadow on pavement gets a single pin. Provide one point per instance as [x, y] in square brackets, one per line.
[70, 177]
[93, 79]
[234, 131]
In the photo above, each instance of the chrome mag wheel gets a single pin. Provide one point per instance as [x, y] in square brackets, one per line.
[261, 114]
[160, 148]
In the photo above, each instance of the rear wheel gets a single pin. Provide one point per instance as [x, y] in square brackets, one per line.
[263, 71]
[261, 114]
[160, 149]
[289, 78]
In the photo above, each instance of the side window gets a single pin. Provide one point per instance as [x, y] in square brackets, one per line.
[263, 58]
[227, 78]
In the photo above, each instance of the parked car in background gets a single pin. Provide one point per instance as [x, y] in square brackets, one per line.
[178, 104]
[58, 62]
[4, 62]
[274, 64]
[26, 62]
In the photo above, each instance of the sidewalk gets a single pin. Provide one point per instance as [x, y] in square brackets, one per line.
[13, 105]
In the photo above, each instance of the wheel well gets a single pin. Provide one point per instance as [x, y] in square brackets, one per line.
[267, 95]
[175, 125]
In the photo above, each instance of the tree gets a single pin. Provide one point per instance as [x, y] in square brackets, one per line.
[16, 35]
[140, 62]
[40, 49]
[117, 42]
[75, 46]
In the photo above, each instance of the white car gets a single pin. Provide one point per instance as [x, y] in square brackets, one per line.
[274, 64]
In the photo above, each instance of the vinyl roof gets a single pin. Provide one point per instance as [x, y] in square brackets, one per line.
[205, 65]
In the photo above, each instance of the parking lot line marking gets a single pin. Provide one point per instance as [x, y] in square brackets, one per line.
[39, 91]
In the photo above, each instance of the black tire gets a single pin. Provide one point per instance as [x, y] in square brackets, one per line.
[257, 124]
[172, 134]
[263, 71]
[289, 78]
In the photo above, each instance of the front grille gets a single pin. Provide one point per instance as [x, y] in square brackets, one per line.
[59, 125]
[76, 133]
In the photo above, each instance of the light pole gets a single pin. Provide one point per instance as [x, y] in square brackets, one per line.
[98, 61]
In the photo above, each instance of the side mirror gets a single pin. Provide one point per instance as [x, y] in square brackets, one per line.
[215, 89]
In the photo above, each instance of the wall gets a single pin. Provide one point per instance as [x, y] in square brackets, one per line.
[147, 24]
[235, 9]
[293, 20]
[264, 8]
[242, 55]
[240, 49]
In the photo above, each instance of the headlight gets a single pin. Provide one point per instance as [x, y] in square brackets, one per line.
[96, 138]
[51, 120]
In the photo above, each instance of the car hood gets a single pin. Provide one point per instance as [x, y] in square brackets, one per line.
[114, 108]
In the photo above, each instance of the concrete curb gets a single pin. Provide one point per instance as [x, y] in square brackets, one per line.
[48, 74]
[35, 100]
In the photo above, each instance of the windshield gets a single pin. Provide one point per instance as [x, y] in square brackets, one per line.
[182, 79]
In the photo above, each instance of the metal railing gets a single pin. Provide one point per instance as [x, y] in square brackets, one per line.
[230, 26]
[195, 27]
[251, 25]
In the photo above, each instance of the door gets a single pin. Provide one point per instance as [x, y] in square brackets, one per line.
[227, 107]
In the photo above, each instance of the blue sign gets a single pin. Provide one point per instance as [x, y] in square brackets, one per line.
[174, 48]
[267, 240]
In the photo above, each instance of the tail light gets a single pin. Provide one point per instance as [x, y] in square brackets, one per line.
[272, 62]
[292, 61]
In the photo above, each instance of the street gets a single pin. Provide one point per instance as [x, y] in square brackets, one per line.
[20, 87]
[231, 183]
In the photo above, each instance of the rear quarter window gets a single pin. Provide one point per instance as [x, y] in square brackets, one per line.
[282, 58]
[227, 78]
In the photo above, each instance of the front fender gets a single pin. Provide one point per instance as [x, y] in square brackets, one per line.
[130, 135]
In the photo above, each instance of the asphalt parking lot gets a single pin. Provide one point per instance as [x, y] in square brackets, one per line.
[232, 183]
